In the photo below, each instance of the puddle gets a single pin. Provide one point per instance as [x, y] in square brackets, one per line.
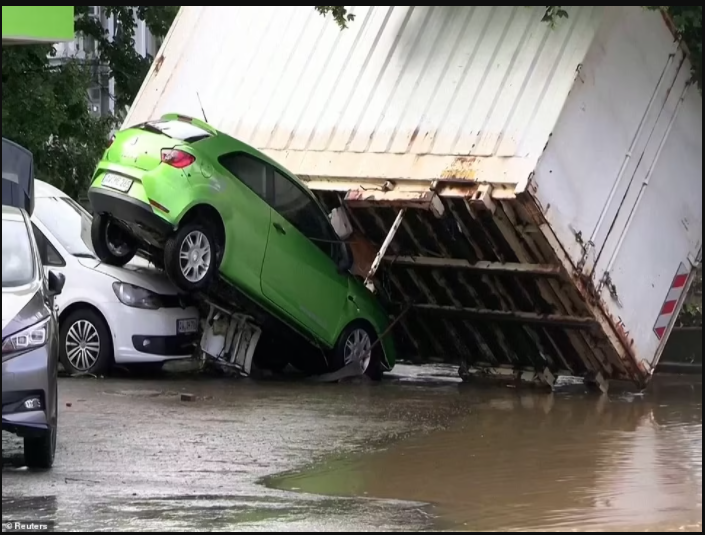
[537, 463]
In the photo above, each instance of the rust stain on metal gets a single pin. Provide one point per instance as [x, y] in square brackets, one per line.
[590, 294]
[158, 63]
[587, 291]
[402, 199]
[462, 168]
[451, 189]
[364, 253]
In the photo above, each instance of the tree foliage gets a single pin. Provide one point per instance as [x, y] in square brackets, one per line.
[692, 313]
[45, 109]
[45, 105]
[688, 22]
[124, 64]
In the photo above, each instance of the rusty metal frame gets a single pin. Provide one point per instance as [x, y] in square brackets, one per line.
[486, 285]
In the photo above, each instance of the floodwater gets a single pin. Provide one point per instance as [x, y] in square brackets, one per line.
[520, 461]
[418, 452]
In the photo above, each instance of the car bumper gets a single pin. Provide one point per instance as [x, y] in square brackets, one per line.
[141, 336]
[29, 377]
[131, 211]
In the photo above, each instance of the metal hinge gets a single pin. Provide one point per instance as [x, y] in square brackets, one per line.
[607, 282]
[586, 247]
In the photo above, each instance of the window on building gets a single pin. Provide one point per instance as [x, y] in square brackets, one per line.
[88, 45]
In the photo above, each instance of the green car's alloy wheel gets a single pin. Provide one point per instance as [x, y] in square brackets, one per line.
[356, 345]
[190, 257]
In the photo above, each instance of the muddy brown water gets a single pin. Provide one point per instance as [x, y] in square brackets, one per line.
[418, 452]
[521, 461]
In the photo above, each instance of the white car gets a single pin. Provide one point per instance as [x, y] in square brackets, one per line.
[130, 316]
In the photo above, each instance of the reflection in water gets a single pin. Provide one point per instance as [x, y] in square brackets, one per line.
[523, 461]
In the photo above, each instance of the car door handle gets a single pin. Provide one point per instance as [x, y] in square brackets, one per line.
[279, 228]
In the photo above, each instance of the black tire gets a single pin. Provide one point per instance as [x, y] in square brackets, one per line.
[112, 244]
[146, 369]
[172, 260]
[337, 356]
[80, 320]
[39, 452]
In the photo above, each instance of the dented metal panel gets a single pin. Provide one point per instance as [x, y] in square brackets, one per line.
[424, 92]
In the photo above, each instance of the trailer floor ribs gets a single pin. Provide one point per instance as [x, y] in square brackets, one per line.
[485, 287]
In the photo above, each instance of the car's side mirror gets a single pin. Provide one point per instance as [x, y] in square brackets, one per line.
[56, 282]
[341, 223]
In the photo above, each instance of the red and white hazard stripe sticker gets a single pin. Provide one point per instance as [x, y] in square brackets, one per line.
[680, 281]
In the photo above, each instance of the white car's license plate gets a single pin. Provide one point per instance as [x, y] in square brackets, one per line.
[117, 182]
[188, 326]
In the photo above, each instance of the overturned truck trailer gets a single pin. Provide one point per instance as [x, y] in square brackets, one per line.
[530, 197]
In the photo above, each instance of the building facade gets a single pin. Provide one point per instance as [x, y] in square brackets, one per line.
[84, 48]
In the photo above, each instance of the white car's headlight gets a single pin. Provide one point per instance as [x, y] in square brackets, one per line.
[134, 296]
[26, 340]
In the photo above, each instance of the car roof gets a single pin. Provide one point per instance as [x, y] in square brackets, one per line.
[227, 142]
[11, 213]
[43, 190]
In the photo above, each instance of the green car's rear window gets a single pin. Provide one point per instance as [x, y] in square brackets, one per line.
[180, 130]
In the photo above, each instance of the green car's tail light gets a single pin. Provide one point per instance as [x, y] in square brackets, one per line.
[177, 158]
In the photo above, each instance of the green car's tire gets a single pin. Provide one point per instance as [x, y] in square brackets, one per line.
[112, 244]
[190, 257]
[356, 342]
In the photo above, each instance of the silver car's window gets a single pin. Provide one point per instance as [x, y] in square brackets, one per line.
[67, 221]
[17, 258]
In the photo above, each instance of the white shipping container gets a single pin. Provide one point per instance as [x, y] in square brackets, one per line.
[551, 178]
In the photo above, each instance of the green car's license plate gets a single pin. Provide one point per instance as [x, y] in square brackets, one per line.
[117, 182]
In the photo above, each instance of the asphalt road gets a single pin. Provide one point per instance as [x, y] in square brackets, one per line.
[133, 456]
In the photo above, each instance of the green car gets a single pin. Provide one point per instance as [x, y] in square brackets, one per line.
[202, 203]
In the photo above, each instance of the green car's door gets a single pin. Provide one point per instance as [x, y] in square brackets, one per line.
[300, 275]
[247, 227]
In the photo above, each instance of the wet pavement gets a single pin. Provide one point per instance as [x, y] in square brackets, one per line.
[410, 454]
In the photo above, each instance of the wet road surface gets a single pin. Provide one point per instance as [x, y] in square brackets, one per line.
[405, 455]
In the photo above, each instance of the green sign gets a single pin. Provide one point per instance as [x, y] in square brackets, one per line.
[36, 24]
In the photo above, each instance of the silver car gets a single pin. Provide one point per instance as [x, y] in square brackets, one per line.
[30, 343]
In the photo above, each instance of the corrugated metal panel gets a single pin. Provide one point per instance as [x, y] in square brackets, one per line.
[405, 92]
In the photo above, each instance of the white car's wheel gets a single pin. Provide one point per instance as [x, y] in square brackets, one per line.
[86, 345]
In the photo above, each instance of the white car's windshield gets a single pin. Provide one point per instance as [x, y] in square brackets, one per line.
[68, 222]
[17, 257]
